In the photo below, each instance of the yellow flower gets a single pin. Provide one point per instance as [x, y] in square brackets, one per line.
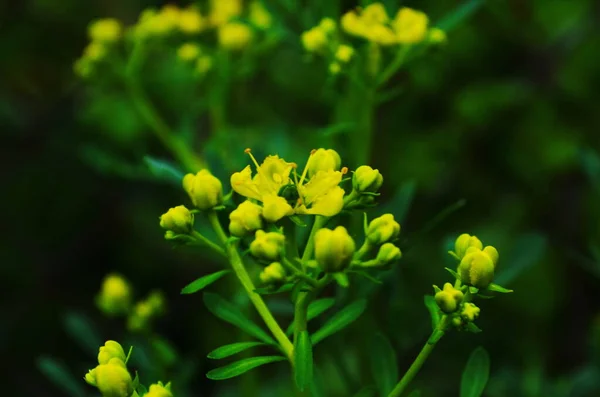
[321, 195]
[90, 377]
[267, 246]
[381, 34]
[366, 179]
[436, 36]
[113, 379]
[234, 35]
[449, 298]
[344, 53]
[203, 64]
[477, 266]
[221, 11]
[260, 16]
[374, 14]
[464, 242]
[272, 273]
[388, 253]
[190, 21]
[382, 229]
[188, 52]
[105, 30]
[324, 160]
[470, 312]
[353, 24]
[178, 219]
[410, 26]
[158, 390]
[115, 295]
[327, 25]
[271, 176]
[110, 350]
[245, 218]
[205, 190]
[275, 207]
[334, 68]
[94, 51]
[334, 249]
[314, 40]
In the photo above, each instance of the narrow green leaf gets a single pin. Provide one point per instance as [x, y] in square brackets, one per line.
[453, 273]
[498, 288]
[415, 393]
[342, 279]
[303, 360]
[239, 367]
[59, 374]
[527, 251]
[590, 161]
[165, 351]
[476, 373]
[340, 320]
[231, 314]
[473, 290]
[384, 366]
[366, 275]
[231, 349]
[83, 332]
[203, 282]
[460, 14]
[471, 327]
[315, 309]
[297, 220]
[162, 170]
[434, 311]
[272, 291]
[367, 391]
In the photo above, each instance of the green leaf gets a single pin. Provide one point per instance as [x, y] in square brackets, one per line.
[471, 327]
[459, 14]
[203, 282]
[476, 373]
[297, 220]
[341, 279]
[340, 320]
[453, 273]
[271, 290]
[58, 373]
[231, 314]
[434, 310]
[527, 251]
[339, 128]
[231, 349]
[83, 332]
[367, 391]
[239, 367]
[163, 170]
[303, 360]
[383, 364]
[165, 351]
[497, 288]
[315, 309]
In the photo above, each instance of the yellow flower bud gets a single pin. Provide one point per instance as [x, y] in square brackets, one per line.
[324, 160]
[221, 11]
[275, 208]
[470, 312]
[115, 295]
[410, 26]
[314, 40]
[382, 229]
[344, 53]
[205, 190]
[190, 21]
[158, 390]
[449, 298]
[156, 301]
[110, 350]
[94, 51]
[203, 64]
[457, 321]
[327, 25]
[272, 273]
[245, 218]
[436, 36]
[260, 16]
[105, 30]
[188, 52]
[267, 246]
[353, 24]
[90, 377]
[178, 219]
[113, 379]
[492, 253]
[334, 249]
[366, 179]
[476, 268]
[234, 36]
[334, 68]
[374, 13]
[464, 242]
[388, 253]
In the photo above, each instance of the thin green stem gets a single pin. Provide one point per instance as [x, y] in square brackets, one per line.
[420, 360]
[240, 271]
[320, 221]
[208, 243]
[393, 67]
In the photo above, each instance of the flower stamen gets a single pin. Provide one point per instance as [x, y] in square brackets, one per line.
[248, 151]
[312, 152]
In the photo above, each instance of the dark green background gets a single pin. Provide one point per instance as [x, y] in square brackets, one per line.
[504, 116]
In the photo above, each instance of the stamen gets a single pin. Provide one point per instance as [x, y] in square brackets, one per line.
[344, 170]
[248, 151]
[306, 166]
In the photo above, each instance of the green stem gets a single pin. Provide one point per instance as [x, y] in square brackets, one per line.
[320, 221]
[240, 271]
[420, 360]
[393, 67]
[208, 243]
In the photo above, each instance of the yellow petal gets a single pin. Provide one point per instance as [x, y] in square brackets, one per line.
[329, 204]
[242, 183]
[275, 208]
[319, 185]
[273, 173]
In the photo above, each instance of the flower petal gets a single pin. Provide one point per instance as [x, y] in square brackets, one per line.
[329, 204]
[242, 183]
[275, 208]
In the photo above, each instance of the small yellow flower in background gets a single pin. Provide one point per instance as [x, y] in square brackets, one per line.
[159, 390]
[110, 350]
[366, 179]
[353, 24]
[203, 64]
[90, 377]
[464, 242]
[334, 68]
[190, 21]
[344, 53]
[113, 379]
[477, 266]
[437, 36]
[188, 52]
[388, 253]
[382, 229]
[375, 14]
[381, 34]
[260, 16]
[115, 295]
[272, 273]
[246, 218]
[470, 312]
[324, 160]
[234, 36]
[449, 298]
[327, 25]
[156, 301]
[94, 51]
[410, 26]
[205, 190]
[105, 30]
[158, 23]
[314, 40]
[222, 11]
[178, 220]
[267, 246]
[334, 249]
[371, 24]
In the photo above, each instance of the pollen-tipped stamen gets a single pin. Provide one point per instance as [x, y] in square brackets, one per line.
[248, 151]
[312, 152]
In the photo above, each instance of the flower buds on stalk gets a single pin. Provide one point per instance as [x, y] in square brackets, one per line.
[469, 312]
[382, 229]
[334, 249]
[246, 218]
[113, 379]
[159, 390]
[110, 350]
[449, 298]
[272, 274]
[205, 190]
[464, 242]
[366, 179]
[324, 160]
[178, 220]
[267, 246]
[388, 254]
[477, 266]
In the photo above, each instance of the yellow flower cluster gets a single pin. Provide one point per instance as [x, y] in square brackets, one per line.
[477, 264]
[323, 39]
[103, 33]
[191, 52]
[115, 295]
[169, 19]
[145, 311]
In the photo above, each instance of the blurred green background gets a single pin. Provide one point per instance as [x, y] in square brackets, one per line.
[505, 116]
